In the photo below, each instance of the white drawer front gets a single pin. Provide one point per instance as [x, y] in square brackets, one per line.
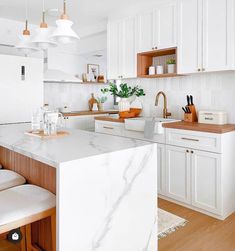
[109, 128]
[210, 142]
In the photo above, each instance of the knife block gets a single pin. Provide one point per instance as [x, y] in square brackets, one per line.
[191, 117]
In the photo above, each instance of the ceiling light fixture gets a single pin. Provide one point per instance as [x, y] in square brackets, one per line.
[64, 33]
[25, 45]
[42, 38]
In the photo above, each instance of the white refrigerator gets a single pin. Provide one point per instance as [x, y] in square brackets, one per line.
[21, 88]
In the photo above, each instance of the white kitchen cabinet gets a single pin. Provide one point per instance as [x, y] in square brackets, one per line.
[204, 35]
[189, 36]
[115, 47]
[122, 58]
[129, 57]
[153, 29]
[161, 169]
[206, 181]
[145, 31]
[216, 34]
[165, 25]
[157, 28]
[178, 173]
[85, 122]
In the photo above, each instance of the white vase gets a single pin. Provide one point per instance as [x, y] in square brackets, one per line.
[124, 105]
[171, 68]
[137, 104]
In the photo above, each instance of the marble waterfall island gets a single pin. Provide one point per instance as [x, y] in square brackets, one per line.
[106, 186]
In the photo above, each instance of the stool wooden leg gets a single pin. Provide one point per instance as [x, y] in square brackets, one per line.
[23, 244]
[53, 231]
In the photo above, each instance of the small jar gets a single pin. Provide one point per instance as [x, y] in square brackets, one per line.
[152, 70]
[159, 69]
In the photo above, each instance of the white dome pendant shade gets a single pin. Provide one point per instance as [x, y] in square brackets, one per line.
[42, 38]
[25, 46]
[64, 33]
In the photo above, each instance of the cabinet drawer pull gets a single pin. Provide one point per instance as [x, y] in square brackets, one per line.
[107, 127]
[196, 140]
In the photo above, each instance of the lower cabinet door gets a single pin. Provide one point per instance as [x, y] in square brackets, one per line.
[161, 169]
[206, 181]
[178, 174]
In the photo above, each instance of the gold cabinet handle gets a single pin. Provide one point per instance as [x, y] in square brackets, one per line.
[189, 139]
[107, 127]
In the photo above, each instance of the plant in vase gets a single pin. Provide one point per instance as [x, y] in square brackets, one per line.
[124, 92]
[101, 101]
[171, 65]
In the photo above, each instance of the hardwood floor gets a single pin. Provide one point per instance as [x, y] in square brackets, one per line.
[202, 233]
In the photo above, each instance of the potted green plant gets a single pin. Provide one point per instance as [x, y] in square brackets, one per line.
[171, 65]
[124, 92]
[101, 101]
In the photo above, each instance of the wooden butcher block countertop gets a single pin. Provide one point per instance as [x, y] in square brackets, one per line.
[200, 127]
[84, 113]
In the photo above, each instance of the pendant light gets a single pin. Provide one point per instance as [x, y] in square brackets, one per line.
[42, 38]
[25, 45]
[64, 33]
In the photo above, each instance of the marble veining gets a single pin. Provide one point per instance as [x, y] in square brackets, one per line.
[106, 225]
[118, 193]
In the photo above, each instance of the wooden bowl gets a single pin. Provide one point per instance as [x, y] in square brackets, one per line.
[137, 111]
[126, 115]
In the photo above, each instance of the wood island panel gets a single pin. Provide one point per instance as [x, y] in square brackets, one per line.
[39, 174]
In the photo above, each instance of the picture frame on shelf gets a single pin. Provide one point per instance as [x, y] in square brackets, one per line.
[93, 70]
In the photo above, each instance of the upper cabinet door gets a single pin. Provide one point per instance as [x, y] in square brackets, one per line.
[165, 26]
[216, 35]
[145, 31]
[115, 45]
[189, 36]
[129, 55]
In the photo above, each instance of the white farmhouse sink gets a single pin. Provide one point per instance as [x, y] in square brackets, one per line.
[138, 124]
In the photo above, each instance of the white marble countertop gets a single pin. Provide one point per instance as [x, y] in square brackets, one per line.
[78, 145]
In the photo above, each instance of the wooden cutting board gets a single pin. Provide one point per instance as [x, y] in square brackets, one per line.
[41, 135]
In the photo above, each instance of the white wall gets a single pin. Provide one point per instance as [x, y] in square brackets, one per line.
[76, 96]
[211, 91]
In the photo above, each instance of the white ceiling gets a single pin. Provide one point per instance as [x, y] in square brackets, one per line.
[82, 12]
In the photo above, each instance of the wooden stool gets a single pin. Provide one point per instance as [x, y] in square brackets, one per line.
[10, 179]
[23, 205]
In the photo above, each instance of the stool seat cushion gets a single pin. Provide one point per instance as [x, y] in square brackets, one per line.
[10, 179]
[24, 201]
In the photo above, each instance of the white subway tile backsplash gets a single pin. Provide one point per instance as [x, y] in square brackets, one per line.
[211, 91]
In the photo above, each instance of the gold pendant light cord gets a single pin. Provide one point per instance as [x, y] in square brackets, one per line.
[43, 23]
[64, 15]
[26, 31]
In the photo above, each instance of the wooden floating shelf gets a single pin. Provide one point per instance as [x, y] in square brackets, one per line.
[94, 83]
[147, 59]
[166, 75]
